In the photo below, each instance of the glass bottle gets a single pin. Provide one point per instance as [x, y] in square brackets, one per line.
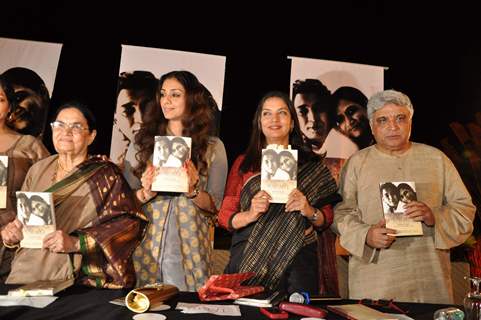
[472, 301]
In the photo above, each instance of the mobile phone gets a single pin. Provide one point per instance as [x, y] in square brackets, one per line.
[274, 313]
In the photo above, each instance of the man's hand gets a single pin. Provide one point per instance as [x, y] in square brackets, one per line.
[377, 236]
[419, 211]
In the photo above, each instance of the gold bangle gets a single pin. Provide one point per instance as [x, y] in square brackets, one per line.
[10, 246]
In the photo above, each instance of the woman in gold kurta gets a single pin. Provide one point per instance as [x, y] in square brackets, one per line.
[22, 151]
[178, 243]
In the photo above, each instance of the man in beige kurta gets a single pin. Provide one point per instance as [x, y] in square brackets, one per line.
[415, 268]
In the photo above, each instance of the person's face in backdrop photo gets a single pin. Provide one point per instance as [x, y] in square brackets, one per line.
[352, 119]
[172, 99]
[128, 116]
[314, 125]
[276, 121]
[391, 127]
[29, 112]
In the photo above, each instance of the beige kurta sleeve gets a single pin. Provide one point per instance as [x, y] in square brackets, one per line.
[347, 215]
[454, 218]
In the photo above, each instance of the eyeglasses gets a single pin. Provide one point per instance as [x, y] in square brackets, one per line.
[76, 127]
[389, 304]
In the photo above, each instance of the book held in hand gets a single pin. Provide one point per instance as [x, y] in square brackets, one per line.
[35, 210]
[395, 195]
[41, 288]
[3, 181]
[170, 154]
[278, 172]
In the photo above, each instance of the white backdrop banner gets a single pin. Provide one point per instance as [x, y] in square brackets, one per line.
[335, 74]
[41, 57]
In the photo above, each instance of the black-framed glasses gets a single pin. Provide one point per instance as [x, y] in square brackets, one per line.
[389, 304]
[76, 127]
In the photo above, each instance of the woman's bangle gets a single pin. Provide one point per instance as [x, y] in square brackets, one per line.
[194, 193]
[142, 196]
[10, 246]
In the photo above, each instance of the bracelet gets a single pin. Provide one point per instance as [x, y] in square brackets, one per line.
[10, 246]
[194, 193]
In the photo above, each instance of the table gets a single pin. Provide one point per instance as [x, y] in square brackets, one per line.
[80, 302]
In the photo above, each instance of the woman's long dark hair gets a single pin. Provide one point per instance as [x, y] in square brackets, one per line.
[253, 154]
[197, 122]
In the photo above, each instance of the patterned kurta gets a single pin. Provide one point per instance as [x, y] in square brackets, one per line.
[413, 269]
[178, 243]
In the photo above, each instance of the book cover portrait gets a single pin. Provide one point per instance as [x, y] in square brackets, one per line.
[35, 210]
[395, 195]
[170, 154]
[279, 173]
[3, 181]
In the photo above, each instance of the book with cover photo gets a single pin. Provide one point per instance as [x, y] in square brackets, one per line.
[3, 181]
[41, 288]
[278, 172]
[35, 210]
[170, 154]
[395, 195]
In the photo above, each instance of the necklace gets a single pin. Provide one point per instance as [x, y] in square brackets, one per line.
[58, 165]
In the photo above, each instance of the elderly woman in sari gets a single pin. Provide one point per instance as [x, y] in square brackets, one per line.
[98, 223]
[278, 241]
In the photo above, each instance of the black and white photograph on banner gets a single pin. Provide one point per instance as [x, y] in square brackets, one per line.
[330, 98]
[140, 70]
[30, 67]
[3, 181]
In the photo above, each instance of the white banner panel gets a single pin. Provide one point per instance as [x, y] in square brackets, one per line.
[41, 57]
[209, 69]
[335, 74]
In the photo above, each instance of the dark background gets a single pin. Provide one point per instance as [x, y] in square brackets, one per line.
[433, 53]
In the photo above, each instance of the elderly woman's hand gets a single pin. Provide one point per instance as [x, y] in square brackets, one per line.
[60, 242]
[12, 233]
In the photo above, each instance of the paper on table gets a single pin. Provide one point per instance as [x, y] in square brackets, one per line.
[399, 316]
[218, 309]
[36, 302]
